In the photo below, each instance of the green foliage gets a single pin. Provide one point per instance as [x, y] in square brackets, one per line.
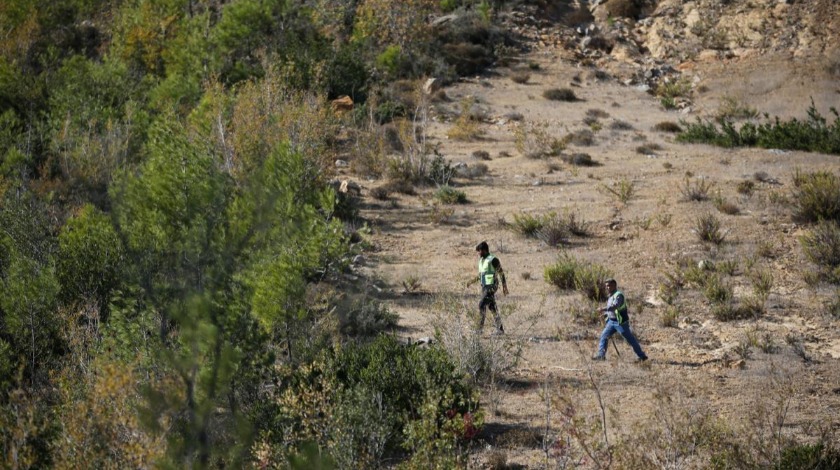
[368, 318]
[450, 195]
[816, 196]
[379, 398]
[716, 290]
[569, 273]
[390, 59]
[817, 456]
[813, 134]
[527, 224]
[90, 258]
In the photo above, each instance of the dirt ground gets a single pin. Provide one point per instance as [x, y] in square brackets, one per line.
[695, 365]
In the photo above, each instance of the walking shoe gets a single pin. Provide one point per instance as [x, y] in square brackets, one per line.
[499, 332]
[641, 359]
[598, 357]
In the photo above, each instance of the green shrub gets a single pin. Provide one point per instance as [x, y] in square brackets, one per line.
[670, 317]
[527, 224]
[440, 171]
[819, 456]
[390, 59]
[708, 229]
[816, 196]
[368, 318]
[822, 246]
[450, 195]
[813, 134]
[366, 400]
[560, 94]
[569, 273]
[833, 306]
[716, 290]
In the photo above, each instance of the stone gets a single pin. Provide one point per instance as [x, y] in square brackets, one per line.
[342, 103]
[341, 163]
[431, 86]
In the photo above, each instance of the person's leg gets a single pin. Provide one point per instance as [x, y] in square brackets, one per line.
[609, 330]
[486, 300]
[627, 333]
[492, 306]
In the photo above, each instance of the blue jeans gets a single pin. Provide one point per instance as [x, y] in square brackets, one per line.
[624, 330]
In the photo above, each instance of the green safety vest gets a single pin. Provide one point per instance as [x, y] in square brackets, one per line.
[621, 310]
[486, 271]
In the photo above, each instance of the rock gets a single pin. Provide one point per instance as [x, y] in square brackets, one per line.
[341, 163]
[359, 260]
[342, 103]
[431, 86]
[444, 19]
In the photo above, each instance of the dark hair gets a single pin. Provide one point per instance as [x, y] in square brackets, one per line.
[482, 246]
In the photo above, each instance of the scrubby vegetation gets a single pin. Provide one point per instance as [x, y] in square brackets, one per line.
[173, 241]
[571, 274]
[814, 134]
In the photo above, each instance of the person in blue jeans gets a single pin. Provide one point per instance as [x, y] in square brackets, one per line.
[618, 320]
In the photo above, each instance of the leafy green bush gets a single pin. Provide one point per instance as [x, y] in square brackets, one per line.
[813, 456]
[368, 318]
[813, 134]
[569, 273]
[816, 196]
[450, 195]
[527, 224]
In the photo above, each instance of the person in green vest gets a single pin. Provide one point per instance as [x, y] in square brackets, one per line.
[618, 320]
[489, 273]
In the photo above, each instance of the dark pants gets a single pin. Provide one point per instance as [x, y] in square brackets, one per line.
[488, 300]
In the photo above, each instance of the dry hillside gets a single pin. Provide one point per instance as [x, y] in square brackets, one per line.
[761, 378]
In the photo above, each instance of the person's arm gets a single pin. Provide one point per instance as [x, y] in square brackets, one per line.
[498, 266]
[612, 305]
